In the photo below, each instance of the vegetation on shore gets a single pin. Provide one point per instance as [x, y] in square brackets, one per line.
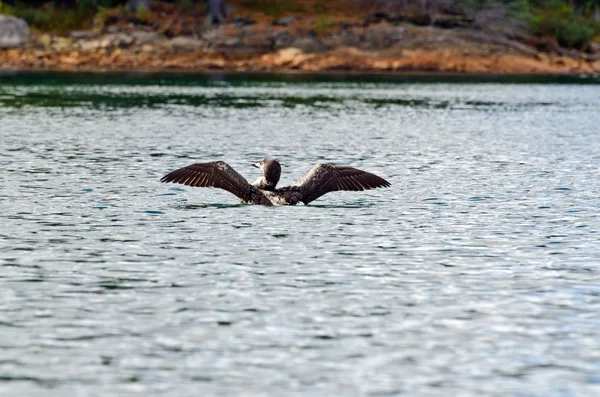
[570, 23]
[559, 23]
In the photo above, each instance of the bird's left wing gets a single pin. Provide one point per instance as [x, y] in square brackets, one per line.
[216, 174]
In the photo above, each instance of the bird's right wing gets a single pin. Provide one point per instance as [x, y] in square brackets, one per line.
[214, 174]
[325, 178]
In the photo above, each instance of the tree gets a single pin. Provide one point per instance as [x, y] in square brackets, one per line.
[135, 5]
[217, 9]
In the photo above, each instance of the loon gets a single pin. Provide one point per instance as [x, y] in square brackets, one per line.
[321, 179]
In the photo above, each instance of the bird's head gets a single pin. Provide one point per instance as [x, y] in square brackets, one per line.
[271, 169]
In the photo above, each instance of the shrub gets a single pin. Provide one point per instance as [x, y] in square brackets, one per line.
[562, 21]
[323, 23]
[274, 8]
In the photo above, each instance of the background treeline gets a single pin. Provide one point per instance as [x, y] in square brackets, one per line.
[569, 23]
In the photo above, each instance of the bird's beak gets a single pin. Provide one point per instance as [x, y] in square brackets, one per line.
[257, 165]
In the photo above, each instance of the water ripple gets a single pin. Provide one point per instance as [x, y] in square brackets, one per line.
[476, 273]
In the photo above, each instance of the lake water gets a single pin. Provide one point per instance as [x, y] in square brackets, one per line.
[476, 274]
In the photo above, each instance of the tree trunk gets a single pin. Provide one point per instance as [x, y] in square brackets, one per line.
[134, 5]
[217, 9]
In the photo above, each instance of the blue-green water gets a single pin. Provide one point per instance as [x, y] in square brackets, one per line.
[476, 274]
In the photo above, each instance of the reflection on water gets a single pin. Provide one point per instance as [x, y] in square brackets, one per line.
[476, 273]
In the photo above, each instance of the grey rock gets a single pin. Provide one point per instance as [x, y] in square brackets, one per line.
[120, 40]
[14, 32]
[186, 43]
[308, 44]
[382, 36]
[83, 34]
[89, 45]
[347, 37]
[285, 21]
[281, 39]
[232, 42]
[212, 35]
[240, 22]
[142, 37]
[113, 29]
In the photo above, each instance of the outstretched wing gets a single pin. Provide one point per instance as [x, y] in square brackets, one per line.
[214, 174]
[325, 178]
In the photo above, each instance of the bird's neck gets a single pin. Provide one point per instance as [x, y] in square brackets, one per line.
[263, 184]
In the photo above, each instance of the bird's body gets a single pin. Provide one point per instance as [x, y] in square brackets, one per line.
[321, 179]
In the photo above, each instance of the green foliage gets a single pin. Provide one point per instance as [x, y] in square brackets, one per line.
[142, 14]
[57, 16]
[185, 4]
[323, 23]
[41, 18]
[274, 8]
[48, 16]
[560, 19]
[93, 5]
[569, 22]
[321, 8]
[100, 19]
[5, 8]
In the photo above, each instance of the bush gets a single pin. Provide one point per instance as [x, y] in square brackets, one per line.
[562, 21]
[274, 8]
[323, 23]
[60, 19]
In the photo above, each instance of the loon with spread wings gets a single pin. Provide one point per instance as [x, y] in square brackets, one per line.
[321, 179]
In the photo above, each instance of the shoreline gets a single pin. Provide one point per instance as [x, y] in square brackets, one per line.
[366, 74]
[296, 61]
[243, 44]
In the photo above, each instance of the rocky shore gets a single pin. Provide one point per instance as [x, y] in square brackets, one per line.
[243, 44]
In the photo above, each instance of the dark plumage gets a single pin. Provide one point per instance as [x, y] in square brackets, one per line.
[321, 179]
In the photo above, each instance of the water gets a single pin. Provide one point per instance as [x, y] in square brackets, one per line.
[476, 274]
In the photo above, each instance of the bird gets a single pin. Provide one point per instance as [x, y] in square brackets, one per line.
[321, 179]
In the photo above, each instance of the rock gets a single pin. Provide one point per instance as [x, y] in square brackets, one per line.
[83, 34]
[446, 21]
[142, 37]
[308, 44]
[288, 57]
[212, 35]
[285, 21]
[382, 36]
[147, 48]
[351, 37]
[281, 39]
[45, 40]
[89, 45]
[114, 40]
[113, 29]
[119, 40]
[390, 17]
[61, 43]
[240, 22]
[289, 54]
[232, 42]
[14, 32]
[186, 43]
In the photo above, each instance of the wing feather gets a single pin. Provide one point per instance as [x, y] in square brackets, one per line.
[325, 178]
[214, 174]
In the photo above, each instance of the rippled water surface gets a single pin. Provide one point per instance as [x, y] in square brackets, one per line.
[476, 274]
